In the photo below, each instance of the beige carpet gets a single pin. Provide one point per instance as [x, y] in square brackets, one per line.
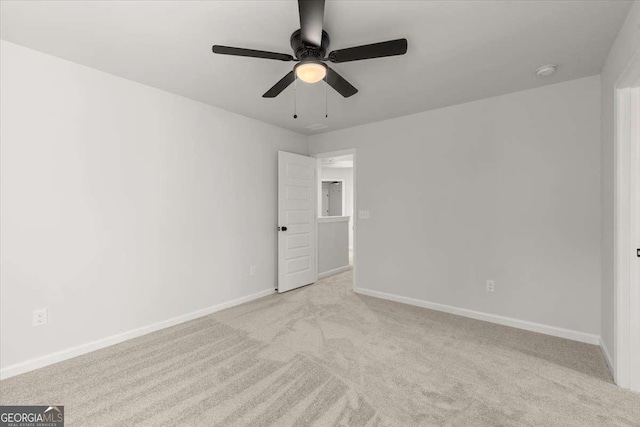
[323, 355]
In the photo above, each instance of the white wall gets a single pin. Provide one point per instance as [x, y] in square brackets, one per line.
[506, 188]
[625, 46]
[333, 244]
[345, 174]
[112, 213]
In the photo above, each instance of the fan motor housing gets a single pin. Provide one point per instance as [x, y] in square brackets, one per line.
[302, 51]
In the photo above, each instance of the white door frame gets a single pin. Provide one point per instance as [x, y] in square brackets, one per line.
[626, 286]
[352, 151]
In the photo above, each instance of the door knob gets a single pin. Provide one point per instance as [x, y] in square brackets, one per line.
[282, 228]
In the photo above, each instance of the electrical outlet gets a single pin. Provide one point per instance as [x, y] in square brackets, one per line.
[364, 215]
[40, 317]
[252, 270]
[491, 286]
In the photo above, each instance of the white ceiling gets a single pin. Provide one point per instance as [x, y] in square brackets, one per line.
[459, 51]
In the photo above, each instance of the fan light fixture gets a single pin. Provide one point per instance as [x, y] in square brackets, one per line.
[311, 72]
[310, 46]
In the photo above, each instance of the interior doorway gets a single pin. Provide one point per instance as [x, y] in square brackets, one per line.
[336, 219]
[627, 229]
[634, 229]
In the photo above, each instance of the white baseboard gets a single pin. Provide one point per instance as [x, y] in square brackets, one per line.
[334, 271]
[493, 318]
[608, 359]
[40, 362]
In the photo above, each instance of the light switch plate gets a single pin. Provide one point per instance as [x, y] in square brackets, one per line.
[364, 215]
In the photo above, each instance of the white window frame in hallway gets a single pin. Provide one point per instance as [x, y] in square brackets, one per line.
[627, 224]
[343, 196]
[352, 151]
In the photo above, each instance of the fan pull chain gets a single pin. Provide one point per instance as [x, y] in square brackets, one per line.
[326, 99]
[295, 96]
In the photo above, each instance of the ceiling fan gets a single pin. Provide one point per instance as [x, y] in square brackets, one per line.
[310, 44]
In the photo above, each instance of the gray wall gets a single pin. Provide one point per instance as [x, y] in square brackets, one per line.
[506, 188]
[333, 245]
[112, 213]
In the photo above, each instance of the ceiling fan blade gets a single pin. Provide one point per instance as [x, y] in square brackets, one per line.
[311, 19]
[368, 51]
[341, 86]
[280, 86]
[238, 51]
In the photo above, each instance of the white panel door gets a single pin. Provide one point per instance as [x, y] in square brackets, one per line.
[296, 221]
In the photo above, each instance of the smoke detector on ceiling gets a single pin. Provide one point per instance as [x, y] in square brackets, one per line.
[546, 70]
